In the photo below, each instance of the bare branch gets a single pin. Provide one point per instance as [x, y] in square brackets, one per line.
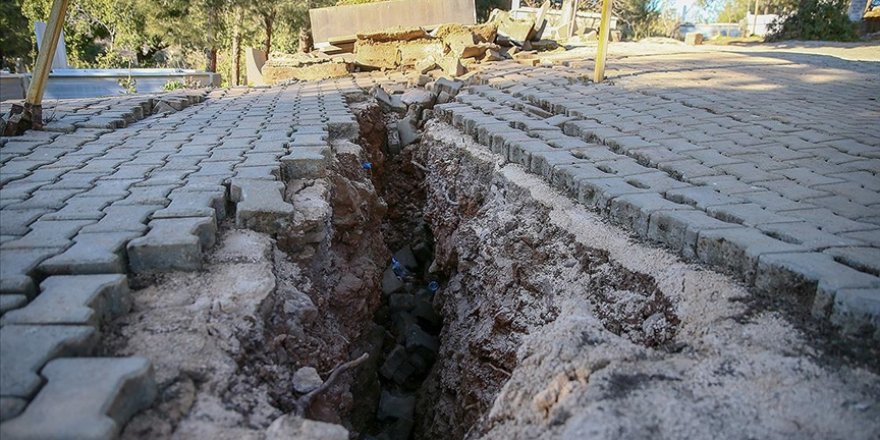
[303, 403]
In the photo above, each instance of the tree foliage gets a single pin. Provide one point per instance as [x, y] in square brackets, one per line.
[816, 20]
[15, 41]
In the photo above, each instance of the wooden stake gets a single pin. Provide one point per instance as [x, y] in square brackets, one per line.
[604, 33]
[34, 102]
[755, 21]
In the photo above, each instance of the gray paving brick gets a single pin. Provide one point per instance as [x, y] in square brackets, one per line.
[260, 205]
[11, 302]
[857, 311]
[24, 349]
[678, 229]
[17, 222]
[83, 208]
[107, 392]
[566, 178]
[75, 300]
[865, 259]
[123, 218]
[738, 249]
[172, 244]
[634, 210]
[807, 235]
[598, 193]
[48, 234]
[45, 199]
[305, 162]
[748, 214]
[11, 407]
[18, 265]
[149, 195]
[92, 253]
[186, 202]
[829, 221]
[701, 197]
[813, 277]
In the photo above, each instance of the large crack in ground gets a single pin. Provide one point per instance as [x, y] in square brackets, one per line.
[544, 322]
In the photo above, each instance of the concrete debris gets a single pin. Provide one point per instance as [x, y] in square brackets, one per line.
[306, 379]
[292, 427]
[512, 30]
[693, 39]
[310, 66]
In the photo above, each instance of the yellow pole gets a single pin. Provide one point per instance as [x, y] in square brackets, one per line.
[604, 32]
[33, 103]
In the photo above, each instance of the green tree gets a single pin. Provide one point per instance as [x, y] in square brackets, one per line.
[15, 38]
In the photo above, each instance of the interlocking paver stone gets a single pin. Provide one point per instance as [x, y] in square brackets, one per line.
[92, 253]
[24, 349]
[172, 244]
[106, 392]
[260, 205]
[75, 300]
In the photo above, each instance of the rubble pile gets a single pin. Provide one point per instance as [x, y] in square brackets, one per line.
[301, 66]
[407, 109]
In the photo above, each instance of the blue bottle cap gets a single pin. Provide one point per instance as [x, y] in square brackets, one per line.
[433, 286]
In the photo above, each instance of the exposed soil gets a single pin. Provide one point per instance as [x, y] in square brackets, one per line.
[550, 323]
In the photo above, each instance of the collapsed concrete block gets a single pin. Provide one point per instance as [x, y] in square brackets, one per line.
[397, 367]
[292, 427]
[451, 65]
[390, 282]
[419, 97]
[419, 341]
[393, 406]
[693, 39]
[408, 131]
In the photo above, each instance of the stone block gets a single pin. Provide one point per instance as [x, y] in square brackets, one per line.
[124, 218]
[188, 203]
[397, 367]
[598, 193]
[85, 399]
[24, 349]
[92, 253]
[634, 210]
[306, 379]
[396, 407]
[11, 302]
[48, 234]
[678, 229]
[812, 277]
[11, 407]
[305, 163]
[18, 265]
[739, 249]
[75, 300]
[390, 282]
[857, 311]
[260, 205]
[172, 244]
